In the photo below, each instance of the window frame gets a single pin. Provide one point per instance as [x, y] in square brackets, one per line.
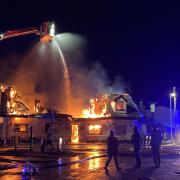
[94, 130]
[17, 128]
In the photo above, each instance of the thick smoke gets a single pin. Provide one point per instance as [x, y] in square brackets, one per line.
[8, 67]
[40, 75]
[88, 82]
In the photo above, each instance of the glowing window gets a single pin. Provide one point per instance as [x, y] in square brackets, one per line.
[75, 133]
[120, 106]
[21, 127]
[95, 129]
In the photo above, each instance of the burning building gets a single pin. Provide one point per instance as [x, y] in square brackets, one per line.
[16, 118]
[11, 102]
[106, 111]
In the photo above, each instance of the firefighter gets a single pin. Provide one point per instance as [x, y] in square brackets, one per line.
[136, 140]
[112, 150]
[156, 140]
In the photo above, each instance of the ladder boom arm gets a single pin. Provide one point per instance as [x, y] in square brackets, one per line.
[21, 32]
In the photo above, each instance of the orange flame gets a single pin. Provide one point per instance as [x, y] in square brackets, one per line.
[11, 103]
[75, 133]
[97, 108]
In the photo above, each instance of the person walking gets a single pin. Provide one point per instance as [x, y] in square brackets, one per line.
[136, 140]
[112, 150]
[156, 140]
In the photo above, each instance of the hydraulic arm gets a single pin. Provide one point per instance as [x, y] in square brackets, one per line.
[46, 32]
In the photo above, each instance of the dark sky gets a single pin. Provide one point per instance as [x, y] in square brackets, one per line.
[138, 40]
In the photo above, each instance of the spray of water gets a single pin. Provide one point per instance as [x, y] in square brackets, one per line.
[67, 82]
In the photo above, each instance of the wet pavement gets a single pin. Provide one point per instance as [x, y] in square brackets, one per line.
[87, 163]
[93, 169]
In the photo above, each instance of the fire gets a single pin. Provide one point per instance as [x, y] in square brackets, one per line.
[97, 108]
[95, 129]
[12, 93]
[75, 134]
[10, 101]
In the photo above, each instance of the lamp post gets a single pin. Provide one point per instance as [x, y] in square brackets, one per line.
[172, 95]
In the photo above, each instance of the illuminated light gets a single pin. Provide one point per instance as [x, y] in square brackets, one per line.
[52, 30]
[2, 88]
[59, 161]
[75, 134]
[1, 36]
[60, 143]
[173, 94]
[47, 31]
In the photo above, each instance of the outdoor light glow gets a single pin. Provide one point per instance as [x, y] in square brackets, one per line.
[173, 94]
[59, 161]
[52, 30]
[173, 116]
[2, 88]
[60, 143]
[1, 36]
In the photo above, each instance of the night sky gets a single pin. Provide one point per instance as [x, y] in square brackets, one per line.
[138, 40]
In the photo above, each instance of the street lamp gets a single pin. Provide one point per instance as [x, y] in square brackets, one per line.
[172, 95]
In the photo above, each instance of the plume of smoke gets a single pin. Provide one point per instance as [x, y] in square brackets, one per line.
[8, 67]
[40, 75]
[88, 82]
